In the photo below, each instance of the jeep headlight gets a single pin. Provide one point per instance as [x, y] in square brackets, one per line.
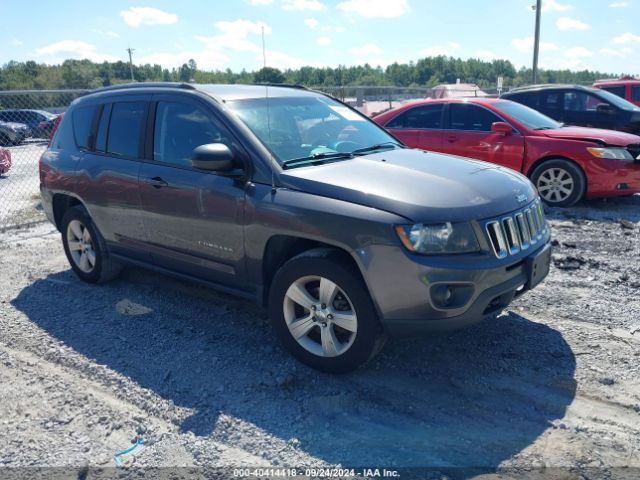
[438, 239]
[611, 153]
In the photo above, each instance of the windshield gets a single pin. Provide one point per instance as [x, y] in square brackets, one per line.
[616, 100]
[528, 116]
[307, 126]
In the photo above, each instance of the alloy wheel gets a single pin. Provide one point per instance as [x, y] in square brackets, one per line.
[80, 246]
[555, 185]
[320, 316]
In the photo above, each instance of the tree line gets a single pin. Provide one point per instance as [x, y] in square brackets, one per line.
[426, 72]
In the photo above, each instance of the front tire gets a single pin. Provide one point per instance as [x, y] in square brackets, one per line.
[559, 182]
[85, 248]
[323, 313]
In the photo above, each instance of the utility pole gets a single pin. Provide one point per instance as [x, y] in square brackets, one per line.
[536, 41]
[131, 50]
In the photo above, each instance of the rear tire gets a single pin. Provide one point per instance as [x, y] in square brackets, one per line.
[323, 314]
[85, 248]
[560, 183]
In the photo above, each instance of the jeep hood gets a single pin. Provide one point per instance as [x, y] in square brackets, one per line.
[596, 135]
[420, 186]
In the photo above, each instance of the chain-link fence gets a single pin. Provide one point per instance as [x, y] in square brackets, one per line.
[27, 120]
[372, 100]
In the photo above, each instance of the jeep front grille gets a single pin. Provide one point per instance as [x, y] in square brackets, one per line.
[516, 232]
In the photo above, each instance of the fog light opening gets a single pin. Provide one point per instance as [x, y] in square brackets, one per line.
[622, 186]
[447, 296]
[442, 295]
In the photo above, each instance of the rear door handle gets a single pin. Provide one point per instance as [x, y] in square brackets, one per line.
[157, 182]
[452, 138]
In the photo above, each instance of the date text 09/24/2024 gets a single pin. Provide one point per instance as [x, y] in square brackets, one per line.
[315, 472]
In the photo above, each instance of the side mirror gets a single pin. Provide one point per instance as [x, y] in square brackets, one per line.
[213, 157]
[501, 128]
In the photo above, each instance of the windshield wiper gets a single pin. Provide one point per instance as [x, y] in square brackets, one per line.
[322, 156]
[316, 157]
[379, 146]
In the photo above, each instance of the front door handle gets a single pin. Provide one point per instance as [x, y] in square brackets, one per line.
[452, 138]
[157, 182]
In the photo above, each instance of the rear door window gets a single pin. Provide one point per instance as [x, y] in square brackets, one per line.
[83, 126]
[465, 116]
[125, 129]
[551, 102]
[635, 93]
[423, 117]
[619, 91]
[576, 101]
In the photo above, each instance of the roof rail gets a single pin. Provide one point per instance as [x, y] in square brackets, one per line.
[547, 85]
[287, 85]
[619, 79]
[127, 86]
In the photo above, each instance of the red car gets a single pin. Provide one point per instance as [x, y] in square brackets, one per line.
[566, 164]
[5, 160]
[626, 87]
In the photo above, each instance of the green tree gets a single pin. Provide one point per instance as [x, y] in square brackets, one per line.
[268, 75]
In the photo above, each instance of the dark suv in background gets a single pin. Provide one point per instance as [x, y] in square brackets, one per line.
[291, 198]
[580, 106]
[31, 118]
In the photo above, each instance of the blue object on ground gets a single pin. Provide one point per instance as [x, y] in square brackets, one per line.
[117, 455]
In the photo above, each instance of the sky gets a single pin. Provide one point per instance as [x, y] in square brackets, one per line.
[575, 34]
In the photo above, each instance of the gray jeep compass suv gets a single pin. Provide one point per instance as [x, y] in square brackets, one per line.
[291, 198]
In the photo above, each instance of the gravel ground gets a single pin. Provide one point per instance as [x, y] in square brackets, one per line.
[553, 382]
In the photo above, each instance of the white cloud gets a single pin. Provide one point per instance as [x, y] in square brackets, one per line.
[206, 59]
[284, 61]
[369, 53]
[438, 50]
[555, 6]
[578, 52]
[364, 50]
[525, 45]
[260, 2]
[311, 22]
[107, 33]
[303, 5]
[339, 29]
[242, 28]
[375, 8]
[136, 16]
[626, 39]
[612, 52]
[16, 42]
[619, 4]
[234, 36]
[71, 49]
[568, 23]
[323, 41]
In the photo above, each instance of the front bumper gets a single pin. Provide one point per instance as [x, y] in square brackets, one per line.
[612, 178]
[402, 285]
